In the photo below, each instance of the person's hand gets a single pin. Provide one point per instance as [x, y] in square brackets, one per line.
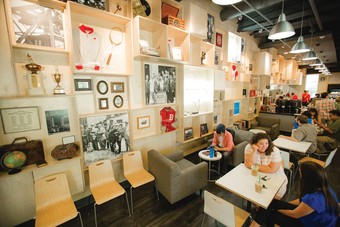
[254, 147]
[248, 164]
[281, 136]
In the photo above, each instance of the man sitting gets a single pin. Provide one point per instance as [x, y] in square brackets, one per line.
[331, 135]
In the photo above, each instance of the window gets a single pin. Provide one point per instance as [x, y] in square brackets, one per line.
[312, 81]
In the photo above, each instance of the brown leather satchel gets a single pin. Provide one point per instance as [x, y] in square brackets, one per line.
[65, 151]
[33, 150]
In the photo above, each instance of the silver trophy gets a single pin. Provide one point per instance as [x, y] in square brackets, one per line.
[58, 90]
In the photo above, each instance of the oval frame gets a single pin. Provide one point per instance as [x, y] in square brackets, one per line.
[102, 87]
[118, 101]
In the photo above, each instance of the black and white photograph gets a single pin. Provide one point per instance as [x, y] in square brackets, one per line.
[210, 32]
[105, 137]
[160, 84]
[57, 121]
[188, 133]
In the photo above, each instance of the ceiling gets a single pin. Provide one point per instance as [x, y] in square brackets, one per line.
[321, 22]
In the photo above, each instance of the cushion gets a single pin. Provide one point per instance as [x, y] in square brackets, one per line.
[242, 135]
[264, 129]
[184, 164]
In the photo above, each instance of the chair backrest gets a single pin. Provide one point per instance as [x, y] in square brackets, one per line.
[285, 158]
[219, 209]
[267, 122]
[132, 161]
[100, 171]
[51, 190]
[232, 132]
[330, 157]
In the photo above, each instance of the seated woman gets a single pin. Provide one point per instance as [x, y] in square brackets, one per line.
[317, 204]
[315, 116]
[261, 151]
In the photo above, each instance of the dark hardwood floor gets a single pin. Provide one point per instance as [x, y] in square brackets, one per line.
[148, 211]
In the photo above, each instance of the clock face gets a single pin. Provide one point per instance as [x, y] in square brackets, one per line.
[118, 101]
[102, 87]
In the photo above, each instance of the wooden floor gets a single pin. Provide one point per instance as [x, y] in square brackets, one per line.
[148, 211]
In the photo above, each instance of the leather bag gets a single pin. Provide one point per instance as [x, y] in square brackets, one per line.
[65, 151]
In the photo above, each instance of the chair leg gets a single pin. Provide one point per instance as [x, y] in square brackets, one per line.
[131, 200]
[203, 220]
[156, 189]
[95, 214]
[127, 203]
[81, 219]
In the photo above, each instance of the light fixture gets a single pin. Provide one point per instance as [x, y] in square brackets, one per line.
[316, 62]
[300, 46]
[225, 2]
[311, 54]
[282, 29]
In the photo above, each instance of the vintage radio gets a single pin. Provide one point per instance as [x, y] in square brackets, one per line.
[174, 21]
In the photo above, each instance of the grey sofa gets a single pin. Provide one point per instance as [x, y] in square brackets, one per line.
[241, 140]
[270, 125]
[176, 177]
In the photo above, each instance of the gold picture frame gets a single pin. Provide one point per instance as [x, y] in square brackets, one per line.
[117, 87]
[143, 122]
[103, 103]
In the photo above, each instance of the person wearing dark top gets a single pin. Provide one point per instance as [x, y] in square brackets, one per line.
[316, 206]
[331, 134]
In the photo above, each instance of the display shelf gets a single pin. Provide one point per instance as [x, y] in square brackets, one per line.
[120, 7]
[179, 44]
[201, 53]
[108, 35]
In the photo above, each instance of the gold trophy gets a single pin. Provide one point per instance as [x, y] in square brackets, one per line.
[58, 90]
[35, 85]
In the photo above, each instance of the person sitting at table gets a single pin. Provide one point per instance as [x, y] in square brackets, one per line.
[306, 132]
[317, 204]
[262, 152]
[309, 119]
[223, 142]
[315, 115]
[331, 135]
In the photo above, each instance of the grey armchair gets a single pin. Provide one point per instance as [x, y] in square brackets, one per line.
[241, 139]
[177, 177]
[270, 125]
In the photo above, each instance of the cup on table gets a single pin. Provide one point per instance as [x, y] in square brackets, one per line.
[254, 170]
[258, 186]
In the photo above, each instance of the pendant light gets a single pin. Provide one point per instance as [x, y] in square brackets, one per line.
[316, 62]
[225, 2]
[311, 54]
[300, 46]
[282, 29]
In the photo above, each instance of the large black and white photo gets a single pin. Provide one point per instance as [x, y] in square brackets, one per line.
[160, 84]
[105, 137]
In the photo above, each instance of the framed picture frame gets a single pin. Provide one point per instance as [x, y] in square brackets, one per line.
[117, 87]
[68, 139]
[118, 101]
[167, 9]
[219, 39]
[204, 129]
[83, 84]
[102, 87]
[143, 122]
[57, 121]
[103, 103]
[20, 119]
[188, 133]
[176, 53]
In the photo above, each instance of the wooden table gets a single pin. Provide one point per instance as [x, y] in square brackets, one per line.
[240, 182]
[300, 147]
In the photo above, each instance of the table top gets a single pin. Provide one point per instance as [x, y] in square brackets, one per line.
[300, 147]
[245, 188]
[202, 155]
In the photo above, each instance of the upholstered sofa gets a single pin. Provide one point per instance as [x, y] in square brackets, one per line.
[270, 125]
[177, 177]
[241, 139]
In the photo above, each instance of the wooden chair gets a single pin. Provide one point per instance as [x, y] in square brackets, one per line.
[103, 185]
[54, 205]
[288, 165]
[135, 173]
[223, 211]
[325, 163]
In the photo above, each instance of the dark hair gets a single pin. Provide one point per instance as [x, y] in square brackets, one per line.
[324, 95]
[293, 93]
[335, 112]
[260, 136]
[307, 114]
[314, 179]
[302, 118]
[220, 128]
[314, 110]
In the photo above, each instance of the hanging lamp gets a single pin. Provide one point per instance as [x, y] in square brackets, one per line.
[225, 2]
[311, 54]
[300, 46]
[282, 29]
[316, 62]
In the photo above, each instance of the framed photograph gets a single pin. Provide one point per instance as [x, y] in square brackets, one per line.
[68, 139]
[143, 122]
[20, 119]
[57, 121]
[160, 84]
[219, 39]
[167, 9]
[176, 53]
[83, 84]
[118, 101]
[103, 103]
[204, 128]
[250, 67]
[188, 133]
[117, 87]
[104, 136]
[211, 29]
[102, 87]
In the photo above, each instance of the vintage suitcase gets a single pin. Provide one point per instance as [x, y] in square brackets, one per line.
[33, 150]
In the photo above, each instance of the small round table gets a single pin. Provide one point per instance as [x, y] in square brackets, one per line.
[204, 154]
[257, 131]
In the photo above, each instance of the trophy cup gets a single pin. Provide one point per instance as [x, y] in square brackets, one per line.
[58, 90]
[35, 86]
